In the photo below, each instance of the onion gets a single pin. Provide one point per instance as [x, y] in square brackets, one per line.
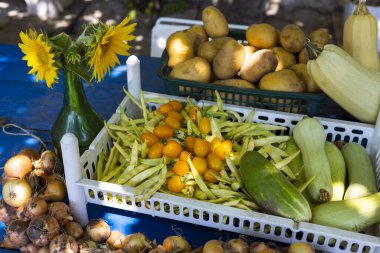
[98, 230]
[48, 164]
[61, 212]
[74, 229]
[30, 153]
[6, 243]
[87, 245]
[116, 240]
[63, 243]
[300, 247]
[55, 189]
[176, 244]
[43, 229]
[237, 246]
[32, 208]
[44, 250]
[213, 246]
[7, 213]
[18, 166]
[16, 233]
[30, 248]
[258, 247]
[136, 243]
[16, 192]
[158, 249]
[5, 178]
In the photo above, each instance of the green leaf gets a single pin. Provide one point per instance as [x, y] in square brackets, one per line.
[61, 41]
[80, 71]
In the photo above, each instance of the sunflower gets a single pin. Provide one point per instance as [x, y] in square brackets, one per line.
[111, 42]
[39, 56]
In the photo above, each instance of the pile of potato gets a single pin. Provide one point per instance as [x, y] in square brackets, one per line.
[269, 59]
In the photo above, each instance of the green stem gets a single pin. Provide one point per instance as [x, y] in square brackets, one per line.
[313, 50]
[361, 9]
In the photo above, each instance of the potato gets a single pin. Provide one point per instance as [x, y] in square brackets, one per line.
[198, 35]
[301, 71]
[261, 35]
[238, 83]
[228, 60]
[282, 80]
[292, 38]
[303, 56]
[215, 22]
[321, 35]
[195, 69]
[249, 49]
[180, 48]
[285, 58]
[207, 50]
[219, 42]
[259, 64]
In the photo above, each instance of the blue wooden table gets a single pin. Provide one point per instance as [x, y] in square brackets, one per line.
[34, 106]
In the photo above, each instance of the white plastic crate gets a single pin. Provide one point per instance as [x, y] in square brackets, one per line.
[228, 218]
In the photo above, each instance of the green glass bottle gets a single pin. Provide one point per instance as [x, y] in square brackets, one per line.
[76, 116]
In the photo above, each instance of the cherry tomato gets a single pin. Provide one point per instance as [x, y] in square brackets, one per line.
[224, 149]
[181, 168]
[200, 164]
[172, 149]
[177, 106]
[172, 123]
[204, 125]
[174, 184]
[175, 115]
[149, 138]
[155, 151]
[201, 147]
[189, 143]
[165, 108]
[163, 131]
[193, 113]
[214, 162]
[214, 143]
[184, 155]
[209, 177]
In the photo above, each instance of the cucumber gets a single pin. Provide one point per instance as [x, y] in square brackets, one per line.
[271, 190]
[337, 169]
[361, 175]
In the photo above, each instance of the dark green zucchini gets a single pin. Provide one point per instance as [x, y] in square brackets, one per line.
[271, 190]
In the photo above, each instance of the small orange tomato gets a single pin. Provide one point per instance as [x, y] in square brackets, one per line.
[149, 138]
[175, 115]
[214, 143]
[209, 177]
[163, 131]
[177, 106]
[224, 149]
[165, 108]
[174, 184]
[172, 149]
[200, 164]
[184, 155]
[155, 151]
[172, 123]
[201, 147]
[189, 143]
[214, 162]
[181, 168]
[193, 113]
[204, 125]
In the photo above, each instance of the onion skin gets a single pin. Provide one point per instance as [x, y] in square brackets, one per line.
[7, 213]
[30, 153]
[63, 243]
[98, 230]
[213, 246]
[55, 190]
[158, 249]
[116, 240]
[17, 233]
[44, 250]
[176, 244]
[16, 192]
[18, 166]
[6, 243]
[61, 212]
[136, 243]
[74, 229]
[30, 248]
[48, 164]
[32, 208]
[43, 229]
[5, 178]
[236, 246]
